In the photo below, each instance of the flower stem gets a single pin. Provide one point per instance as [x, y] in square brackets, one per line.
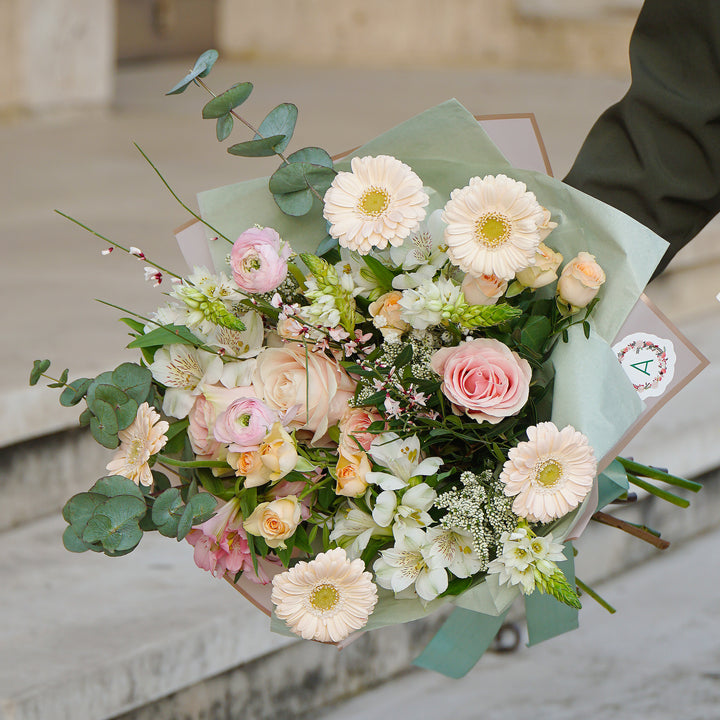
[172, 192]
[192, 463]
[587, 590]
[117, 245]
[311, 488]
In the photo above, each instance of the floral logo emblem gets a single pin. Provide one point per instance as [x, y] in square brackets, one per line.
[649, 362]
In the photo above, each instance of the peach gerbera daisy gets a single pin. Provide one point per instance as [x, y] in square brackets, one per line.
[143, 438]
[550, 474]
[381, 201]
[494, 226]
[325, 599]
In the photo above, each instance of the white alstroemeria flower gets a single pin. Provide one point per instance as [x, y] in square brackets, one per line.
[351, 522]
[455, 547]
[410, 562]
[245, 343]
[402, 457]
[183, 369]
[238, 374]
[169, 314]
[411, 511]
[424, 247]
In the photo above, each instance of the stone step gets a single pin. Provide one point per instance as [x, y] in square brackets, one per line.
[149, 635]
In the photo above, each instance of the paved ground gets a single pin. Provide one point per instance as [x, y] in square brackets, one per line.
[657, 658]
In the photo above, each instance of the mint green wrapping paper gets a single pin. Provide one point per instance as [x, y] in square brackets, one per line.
[445, 146]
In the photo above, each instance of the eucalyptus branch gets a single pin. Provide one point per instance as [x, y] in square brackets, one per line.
[164, 459]
[198, 81]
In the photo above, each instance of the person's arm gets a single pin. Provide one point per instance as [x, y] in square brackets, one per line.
[655, 155]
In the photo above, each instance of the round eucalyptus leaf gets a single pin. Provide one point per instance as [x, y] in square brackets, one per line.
[72, 542]
[314, 155]
[227, 101]
[296, 204]
[279, 121]
[263, 147]
[224, 127]
[113, 485]
[167, 511]
[39, 367]
[79, 508]
[99, 432]
[74, 392]
[299, 176]
[134, 380]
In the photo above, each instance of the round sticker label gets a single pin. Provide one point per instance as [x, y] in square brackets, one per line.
[649, 362]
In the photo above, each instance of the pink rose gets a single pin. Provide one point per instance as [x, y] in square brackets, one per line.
[318, 394]
[244, 424]
[200, 429]
[258, 260]
[483, 378]
[353, 426]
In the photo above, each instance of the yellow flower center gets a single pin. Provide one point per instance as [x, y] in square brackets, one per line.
[324, 597]
[135, 451]
[492, 229]
[548, 473]
[374, 201]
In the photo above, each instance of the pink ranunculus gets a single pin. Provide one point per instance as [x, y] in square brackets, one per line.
[258, 260]
[313, 385]
[221, 545]
[244, 424]
[353, 427]
[200, 429]
[483, 378]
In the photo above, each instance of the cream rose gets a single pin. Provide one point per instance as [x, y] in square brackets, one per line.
[580, 281]
[483, 289]
[318, 394]
[277, 456]
[544, 271]
[275, 521]
[350, 473]
[385, 312]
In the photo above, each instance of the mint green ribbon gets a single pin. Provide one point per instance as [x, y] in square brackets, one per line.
[612, 483]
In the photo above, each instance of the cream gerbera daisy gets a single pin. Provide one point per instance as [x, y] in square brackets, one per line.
[494, 226]
[550, 474]
[325, 599]
[381, 201]
[143, 438]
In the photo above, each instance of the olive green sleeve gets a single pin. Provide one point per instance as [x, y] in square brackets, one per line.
[655, 155]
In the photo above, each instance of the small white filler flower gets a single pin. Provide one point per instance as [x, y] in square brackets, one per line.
[325, 599]
[494, 226]
[381, 201]
[550, 474]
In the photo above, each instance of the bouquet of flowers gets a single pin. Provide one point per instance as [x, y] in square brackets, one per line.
[388, 389]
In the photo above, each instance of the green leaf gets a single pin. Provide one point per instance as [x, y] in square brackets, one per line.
[224, 127]
[114, 524]
[75, 392]
[79, 509]
[72, 542]
[166, 335]
[314, 155]
[279, 121]
[383, 274]
[227, 101]
[39, 367]
[202, 67]
[133, 324]
[327, 244]
[404, 357]
[586, 329]
[123, 407]
[295, 204]
[114, 485]
[264, 147]
[167, 511]
[536, 331]
[103, 431]
[214, 485]
[85, 417]
[200, 508]
[134, 380]
[161, 481]
[299, 176]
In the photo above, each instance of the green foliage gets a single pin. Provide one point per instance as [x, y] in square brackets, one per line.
[105, 519]
[222, 104]
[74, 392]
[297, 176]
[39, 367]
[224, 127]
[166, 335]
[261, 147]
[167, 511]
[327, 244]
[202, 67]
[279, 121]
[383, 274]
[314, 155]
[297, 203]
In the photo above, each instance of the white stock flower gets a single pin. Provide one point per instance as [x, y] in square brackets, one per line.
[494, 226]
[403, 458]
[381, 201]
[409, 563]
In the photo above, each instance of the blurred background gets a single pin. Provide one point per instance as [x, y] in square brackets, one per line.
[150, 635]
